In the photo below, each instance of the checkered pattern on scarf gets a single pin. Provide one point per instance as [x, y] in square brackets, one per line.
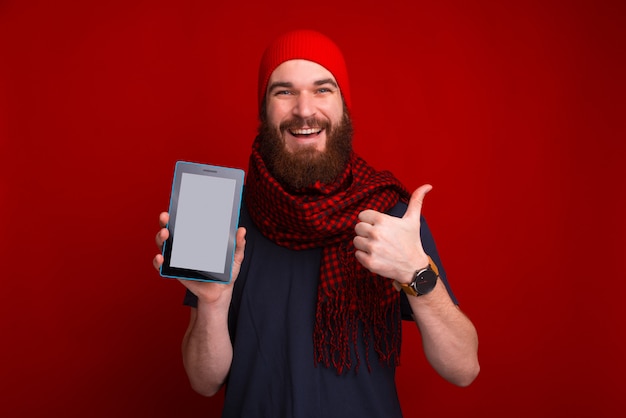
[350, 298]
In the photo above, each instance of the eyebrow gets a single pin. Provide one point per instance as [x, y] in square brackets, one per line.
[287, 84]
[277, 84]
[326, 81]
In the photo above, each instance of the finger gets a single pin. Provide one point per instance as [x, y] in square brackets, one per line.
[361, 244]
[161, 237]
[164, 218]
[157, 261]
[362, 257]
[415, 204]
[240, 244]
[370, 216]
[363, 229]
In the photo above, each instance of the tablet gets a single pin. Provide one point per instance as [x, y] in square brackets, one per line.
[204, 215]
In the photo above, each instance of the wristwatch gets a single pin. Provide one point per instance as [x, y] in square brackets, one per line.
[424, 280]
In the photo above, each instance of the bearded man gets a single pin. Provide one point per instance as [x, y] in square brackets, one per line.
[310, 325]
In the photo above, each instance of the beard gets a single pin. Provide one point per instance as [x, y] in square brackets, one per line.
[306, 166]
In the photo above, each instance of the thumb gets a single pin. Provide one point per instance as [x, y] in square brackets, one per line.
[415, 204]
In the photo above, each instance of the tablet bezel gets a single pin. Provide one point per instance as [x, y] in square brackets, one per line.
[235, 174]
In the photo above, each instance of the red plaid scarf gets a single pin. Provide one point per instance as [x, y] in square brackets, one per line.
[324, 215]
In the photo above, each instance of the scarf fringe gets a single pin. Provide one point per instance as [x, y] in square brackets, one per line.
[370, 305]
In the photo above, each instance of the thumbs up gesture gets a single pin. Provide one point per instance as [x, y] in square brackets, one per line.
[389, 246]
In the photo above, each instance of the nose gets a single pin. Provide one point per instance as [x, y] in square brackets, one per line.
[304, 106]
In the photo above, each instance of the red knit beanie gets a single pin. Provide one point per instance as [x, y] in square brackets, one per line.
[308, 45]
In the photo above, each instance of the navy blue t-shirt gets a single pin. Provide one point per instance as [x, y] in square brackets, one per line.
[271, 325]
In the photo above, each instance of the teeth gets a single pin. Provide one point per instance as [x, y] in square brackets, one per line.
[305, 131]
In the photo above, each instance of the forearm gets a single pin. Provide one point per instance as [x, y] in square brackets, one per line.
[207, 349]
[448, 336]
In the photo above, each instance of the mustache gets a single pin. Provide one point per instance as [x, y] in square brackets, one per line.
[299, 123]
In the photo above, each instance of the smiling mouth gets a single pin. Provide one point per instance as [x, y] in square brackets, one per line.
[305, 132]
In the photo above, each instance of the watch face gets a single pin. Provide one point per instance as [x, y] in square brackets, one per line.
[425, 281]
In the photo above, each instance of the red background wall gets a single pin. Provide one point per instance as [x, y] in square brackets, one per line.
[514, 111]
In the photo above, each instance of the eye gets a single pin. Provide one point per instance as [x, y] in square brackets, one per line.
[282, 92]
[323, 90]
